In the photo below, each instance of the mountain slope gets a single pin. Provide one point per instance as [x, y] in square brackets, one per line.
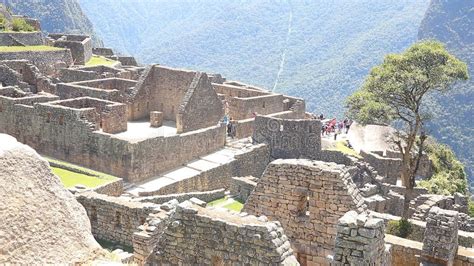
[328, 50]
[56, 16]
[452, 22]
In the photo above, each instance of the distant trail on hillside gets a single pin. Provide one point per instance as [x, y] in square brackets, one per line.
[285, 48]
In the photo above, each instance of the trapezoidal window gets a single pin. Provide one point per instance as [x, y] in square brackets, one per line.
[263, 104]
[303, 206]
[118, 220]
[93, 214]
[61, 120]
[48, 117]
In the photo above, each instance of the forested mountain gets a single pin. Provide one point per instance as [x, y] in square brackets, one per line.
[452, 22]
[327, 47]
[55, 15]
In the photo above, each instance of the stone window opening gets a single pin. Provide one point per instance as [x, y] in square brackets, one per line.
[118, 222]
[93, 214]
[1, 108]
[147, 106]
[61, 120]
[263, 104]
[48, 117]
[303, 206]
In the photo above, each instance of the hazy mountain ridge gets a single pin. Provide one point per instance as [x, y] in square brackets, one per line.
[56, 16]
[452, 22]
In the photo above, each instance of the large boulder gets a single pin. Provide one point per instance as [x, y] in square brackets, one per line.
[41, 222]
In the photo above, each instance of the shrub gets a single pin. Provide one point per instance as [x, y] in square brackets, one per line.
[470, 208]
[449, 176]
[19, 24]
[3, 21]
[400, 228]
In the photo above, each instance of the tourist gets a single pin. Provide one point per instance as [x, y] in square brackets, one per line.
[348, 125]
[229, 127]
[321, 117]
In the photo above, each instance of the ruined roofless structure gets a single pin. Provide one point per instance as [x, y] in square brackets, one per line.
[161, 131]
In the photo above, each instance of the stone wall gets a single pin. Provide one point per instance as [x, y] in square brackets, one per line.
[199, 236]
[242, 187]
[80, 46]
[191, 114]
[308, 198]
[114, 188]
[115, 219]
[243, 108]
[21, 38]
[206, 196]
[408, 252]
[102, 51]
[252, 162]
[183, 96]
[390, 166]
[72, 135]
[440, 242]
[289, 138]
[48, 62]
[360, 241]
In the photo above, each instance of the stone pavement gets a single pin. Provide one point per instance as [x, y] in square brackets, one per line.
[193, 168]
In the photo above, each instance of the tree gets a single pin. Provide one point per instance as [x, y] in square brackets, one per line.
[395, 93]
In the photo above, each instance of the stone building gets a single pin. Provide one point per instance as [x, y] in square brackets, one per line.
[308, 198]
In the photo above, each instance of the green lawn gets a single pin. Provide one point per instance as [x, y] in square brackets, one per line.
[234, 206]
[216, 202]
[342, 147]
[100, 61]
[33, 48]
[70, 178]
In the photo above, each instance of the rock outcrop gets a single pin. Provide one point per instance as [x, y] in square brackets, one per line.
[41, 222]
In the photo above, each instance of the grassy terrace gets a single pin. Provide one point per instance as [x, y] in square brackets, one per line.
[100, 61]
[342, 147]
[83, 176]
[227, 203]
[33, 48]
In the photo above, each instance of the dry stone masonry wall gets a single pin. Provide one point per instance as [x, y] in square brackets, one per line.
[200, 236]
[308, 198]
[360, 241]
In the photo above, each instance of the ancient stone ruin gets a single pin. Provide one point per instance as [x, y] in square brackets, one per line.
[183, 145]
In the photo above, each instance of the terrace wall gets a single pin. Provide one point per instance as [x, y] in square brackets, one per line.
[48, 62]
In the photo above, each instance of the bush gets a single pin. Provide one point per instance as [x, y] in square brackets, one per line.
[19, 24]
[449, 176]
[3, 22]
[470, 205]
[400, 228]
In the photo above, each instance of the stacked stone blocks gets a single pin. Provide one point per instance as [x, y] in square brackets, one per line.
[440, 242]
[359, 241]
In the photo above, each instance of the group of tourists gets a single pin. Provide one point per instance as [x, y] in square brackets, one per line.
[333, 126]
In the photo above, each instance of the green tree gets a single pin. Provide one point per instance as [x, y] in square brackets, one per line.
[394, 93]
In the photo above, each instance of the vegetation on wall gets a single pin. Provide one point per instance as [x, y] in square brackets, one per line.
[449, 176]
[20, 24]
[56, 16]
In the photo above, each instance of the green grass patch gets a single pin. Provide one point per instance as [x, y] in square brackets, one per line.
[234, 206]
[216, 202]
[87, 177]
[401, 228]
[342, 147]
[70, 179]
[31, 48]
[100, 61]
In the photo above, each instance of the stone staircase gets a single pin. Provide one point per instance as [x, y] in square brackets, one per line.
[191, 169]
